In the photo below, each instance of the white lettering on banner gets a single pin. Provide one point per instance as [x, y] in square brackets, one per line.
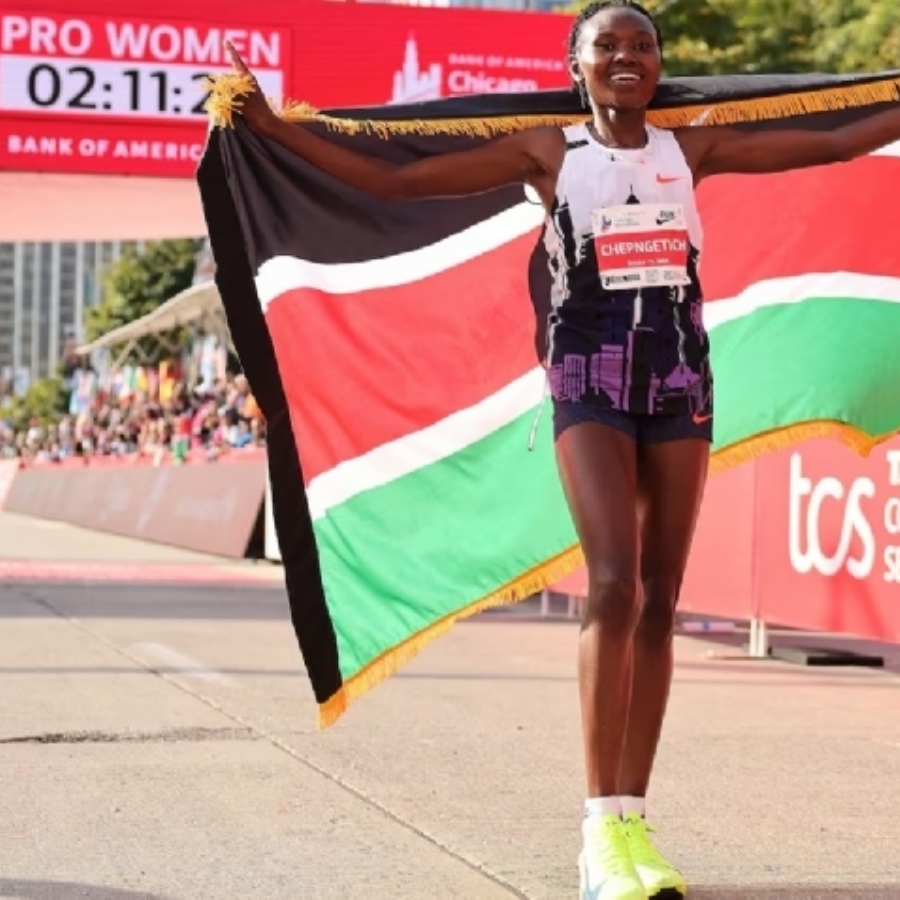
[169, 42]
[892, 516]
[546, 65]
[169, 150]
[854, 524]
[90, 147]
[51, 146]
[75, 38]
[13, 29]
[42, 35]
[892, 565]
[892, 520]
[804, 531]
[465, 59]
[165, 42]
[201, 50]
[415, 82]
[43, 146]
[893, 459]
[504, 62]
[461, 81]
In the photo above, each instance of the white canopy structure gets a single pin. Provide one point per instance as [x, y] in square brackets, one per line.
[199, 307]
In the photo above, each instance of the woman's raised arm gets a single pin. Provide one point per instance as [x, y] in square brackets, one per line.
[529, 157]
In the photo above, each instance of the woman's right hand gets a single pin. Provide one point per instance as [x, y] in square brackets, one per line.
[257, 113]
[533, 156]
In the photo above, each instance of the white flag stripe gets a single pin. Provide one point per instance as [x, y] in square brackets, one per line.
[286, 273]
[796, 289]
[428, 445]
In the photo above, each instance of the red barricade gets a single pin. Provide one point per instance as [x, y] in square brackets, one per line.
[808, 537]
[211, 507]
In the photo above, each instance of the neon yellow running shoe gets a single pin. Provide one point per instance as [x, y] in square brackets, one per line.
[660, 878]
[607, 872]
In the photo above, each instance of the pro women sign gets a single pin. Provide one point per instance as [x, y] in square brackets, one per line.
[84, 88]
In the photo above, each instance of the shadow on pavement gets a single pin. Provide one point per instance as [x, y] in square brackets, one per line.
[67, 890]
[784, 637]
[135, 601]
[268, 603]
[798, 892]
[61, 890]
[461, 677]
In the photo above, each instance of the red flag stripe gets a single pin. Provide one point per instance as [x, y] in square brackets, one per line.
[363, 369]
[825, 219]
[366, 368]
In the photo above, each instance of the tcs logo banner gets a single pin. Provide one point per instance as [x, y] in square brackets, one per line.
[851, 525]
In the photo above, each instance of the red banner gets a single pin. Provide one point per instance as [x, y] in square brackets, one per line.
[84, 88]
[828, 540]
[808, 538]
[815, 543]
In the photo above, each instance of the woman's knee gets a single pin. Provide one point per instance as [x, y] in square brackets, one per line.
[660, 600]
[612, 602]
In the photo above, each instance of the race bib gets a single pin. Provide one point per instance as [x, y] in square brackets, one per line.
[641, 246]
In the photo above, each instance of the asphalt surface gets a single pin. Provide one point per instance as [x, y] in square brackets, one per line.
[158, 742]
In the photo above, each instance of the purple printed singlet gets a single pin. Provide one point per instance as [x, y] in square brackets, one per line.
[624, 239]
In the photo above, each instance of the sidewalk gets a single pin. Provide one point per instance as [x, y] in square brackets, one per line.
[158, 743]
[38, 549]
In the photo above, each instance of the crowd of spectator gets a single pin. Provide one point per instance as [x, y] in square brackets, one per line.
[176, 424]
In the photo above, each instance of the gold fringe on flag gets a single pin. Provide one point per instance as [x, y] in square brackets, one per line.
[227, 90]
[764, 109]
[758, 445]
[224, 100]
[531, 582]
[548, 573]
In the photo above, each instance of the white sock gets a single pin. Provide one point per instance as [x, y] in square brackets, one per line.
[632, 805]
[597, 807]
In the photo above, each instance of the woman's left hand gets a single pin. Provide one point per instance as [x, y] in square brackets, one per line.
[256, 111]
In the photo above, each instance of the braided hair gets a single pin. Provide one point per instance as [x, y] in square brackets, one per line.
[589, 12]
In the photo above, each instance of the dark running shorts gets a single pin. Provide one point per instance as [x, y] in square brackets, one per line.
[642, 429]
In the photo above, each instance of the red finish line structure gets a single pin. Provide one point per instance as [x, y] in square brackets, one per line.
[805, 538]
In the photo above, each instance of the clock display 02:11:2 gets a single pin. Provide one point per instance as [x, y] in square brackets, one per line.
[100, 86]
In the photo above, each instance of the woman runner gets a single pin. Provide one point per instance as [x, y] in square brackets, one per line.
[628, 363]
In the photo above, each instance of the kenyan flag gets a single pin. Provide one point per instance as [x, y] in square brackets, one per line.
[802, 277]
[393, 349]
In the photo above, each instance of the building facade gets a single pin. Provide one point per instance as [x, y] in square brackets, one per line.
[44, 290]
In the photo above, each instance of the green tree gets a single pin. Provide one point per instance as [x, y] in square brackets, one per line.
[140, 282]
[46, 400]
[857, 35]
[707, 37]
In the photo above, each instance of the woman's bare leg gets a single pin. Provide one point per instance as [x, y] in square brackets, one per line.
[671, 479]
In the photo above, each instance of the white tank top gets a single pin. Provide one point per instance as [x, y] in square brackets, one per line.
[624, 240]
[594, 177]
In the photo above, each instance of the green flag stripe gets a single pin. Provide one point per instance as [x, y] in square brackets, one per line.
[403, 556]
[798, 289]
[825, 358]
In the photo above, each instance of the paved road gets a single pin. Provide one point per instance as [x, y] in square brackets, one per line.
[158, 743]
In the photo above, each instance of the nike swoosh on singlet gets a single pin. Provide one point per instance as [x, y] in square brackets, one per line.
[668, 179]
[699, 420]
